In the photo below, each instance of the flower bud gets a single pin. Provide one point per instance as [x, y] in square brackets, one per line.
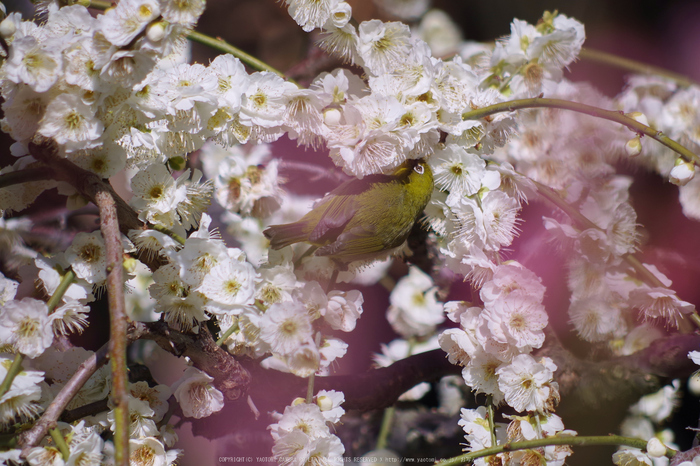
[694, 384]
[325, 403]
[298, 401]
[655, 448]
[682, 172]
[639, 117]
[331, 117]
[129, 265]
[634, 146]
[7, 28]
[156, 31]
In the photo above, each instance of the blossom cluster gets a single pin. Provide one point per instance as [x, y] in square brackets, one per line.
[302, 433]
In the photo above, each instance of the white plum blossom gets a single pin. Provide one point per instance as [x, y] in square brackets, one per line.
[197, 396]
[26, 326]
[415, 310]
[286, 327]
[21, 402]
[229, 285]
[87, 256]
[343, 309]
[527, 384]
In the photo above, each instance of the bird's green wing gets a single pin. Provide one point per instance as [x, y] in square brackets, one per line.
[336, 212]
[357, 243]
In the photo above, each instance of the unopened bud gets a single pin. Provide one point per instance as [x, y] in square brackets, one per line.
[331, 117]
[325, 403]
[129, 265]
[156, 31]
[655, 448]
[694, 384]
[7, 28]
[639, 117]
[634, 146]
[682, 172]
[298, 401]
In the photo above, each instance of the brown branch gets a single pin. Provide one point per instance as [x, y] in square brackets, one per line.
[230, 376]
[615, 383]
[31, 173]
[109, 226]
[33, 436]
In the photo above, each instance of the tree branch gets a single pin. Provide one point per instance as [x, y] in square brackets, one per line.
[33, 436]
[230, 376]
[109, 226]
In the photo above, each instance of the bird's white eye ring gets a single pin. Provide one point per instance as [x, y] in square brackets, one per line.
[419, 169]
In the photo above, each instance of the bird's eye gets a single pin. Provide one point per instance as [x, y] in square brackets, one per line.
[419, 169]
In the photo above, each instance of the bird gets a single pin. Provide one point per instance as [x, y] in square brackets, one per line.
[362, 219]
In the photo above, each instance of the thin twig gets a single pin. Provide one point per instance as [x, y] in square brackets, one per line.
[612, 115]
[33, 436]
[109, 226]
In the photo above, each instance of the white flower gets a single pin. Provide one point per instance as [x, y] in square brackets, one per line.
[682, 172]
[304, 360]
[26, 326]
[311, 14]
[512, 277]
[658, 406]
[415, 310]
[527, 384]
[88, 258]
[476, 428]
[8, 289]
[21, 402]
[32, 63]
[480, 374]
[629, 457]
[147, 451]
[198, 398]
[383, 46]
[182, 13]
[156, 195]
[329, 402]
[330, 350]
[141, 422]
[304, 417]
[264, 104]
[157, 397]
[229, 285]
[232, 81]
[457, 171]
[595, 319]
[292, 448]
[490, 224]
[286, 327]
[516, 320]
[123, 23]
[70, 317]
[695, 356]
[343, 309]
[458, 345]
[660, 302]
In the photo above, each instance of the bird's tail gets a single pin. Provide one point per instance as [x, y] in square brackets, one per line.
[284, 235]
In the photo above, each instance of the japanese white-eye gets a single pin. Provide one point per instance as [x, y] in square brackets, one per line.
[362, 219]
